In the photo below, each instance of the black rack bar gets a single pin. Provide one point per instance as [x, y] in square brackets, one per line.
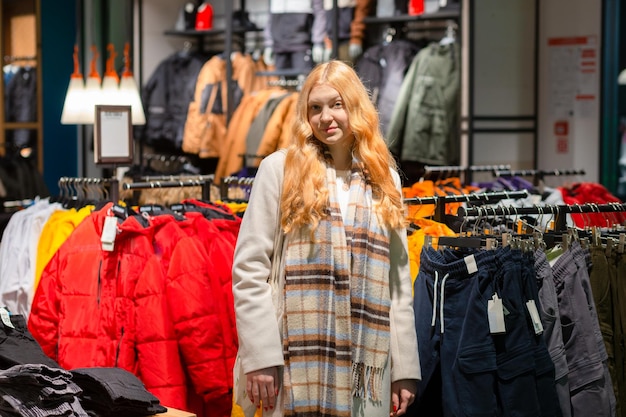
[204, 184]
[440, 201]
[231, 181]
[112, 184]
[550, 209]
[404, 18]
[542, 172]
[539, 174]
[465, 170]
[147, 178]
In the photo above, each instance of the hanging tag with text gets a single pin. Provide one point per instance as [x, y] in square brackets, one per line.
[495, 312]
[109, 232]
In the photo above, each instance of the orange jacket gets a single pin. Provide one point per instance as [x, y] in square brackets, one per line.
[234, 145]
[278, 129]
[205, 127]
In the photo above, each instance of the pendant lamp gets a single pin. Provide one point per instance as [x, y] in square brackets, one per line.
[75, 96]
[93, 89]
[130, 91]
[110, 94]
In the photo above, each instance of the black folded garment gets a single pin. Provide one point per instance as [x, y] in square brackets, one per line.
[35, 390]
[19, 347]
[114, 392]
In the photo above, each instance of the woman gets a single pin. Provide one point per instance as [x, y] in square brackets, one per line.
[343, 342]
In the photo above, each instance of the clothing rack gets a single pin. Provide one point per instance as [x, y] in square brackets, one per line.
[153, 178]
[244, 184]
[558, 211]
[441, 201]
[14, 58]
[289, 79]
[463, 172]
[405, 24]
[169, 160]
[538, 174]
[166, 158]
[245, 157]
[80, 187]
[12, 205]
[293, 84]
[204, 182]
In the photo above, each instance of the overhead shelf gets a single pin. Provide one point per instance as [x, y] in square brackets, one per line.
[451, 14]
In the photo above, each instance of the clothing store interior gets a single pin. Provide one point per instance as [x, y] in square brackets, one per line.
[507, 120]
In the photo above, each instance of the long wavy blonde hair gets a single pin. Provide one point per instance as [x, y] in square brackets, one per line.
[305, 195]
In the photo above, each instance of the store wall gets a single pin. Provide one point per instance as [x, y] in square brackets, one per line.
[500, 82]
[161, 15]
[516, 108]
[504, 82]
[569, 85]
[58, 35]
[561, 102]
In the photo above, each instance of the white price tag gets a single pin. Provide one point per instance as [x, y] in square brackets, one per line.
[495, 312]
[470, 263]
[109, 232]
[534, 316]
[536, 199]
[6, 317]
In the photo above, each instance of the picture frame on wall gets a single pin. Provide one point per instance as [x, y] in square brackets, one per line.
[113, 135]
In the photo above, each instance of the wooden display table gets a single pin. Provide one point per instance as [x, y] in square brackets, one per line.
[172, 412]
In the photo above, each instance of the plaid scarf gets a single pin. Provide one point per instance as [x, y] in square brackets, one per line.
[336, 321]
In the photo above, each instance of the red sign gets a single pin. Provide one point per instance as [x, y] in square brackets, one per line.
[562, 144]
[561, 128]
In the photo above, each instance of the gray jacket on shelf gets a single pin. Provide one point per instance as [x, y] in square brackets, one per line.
[424, 124]
[382, 68]
[295, 25]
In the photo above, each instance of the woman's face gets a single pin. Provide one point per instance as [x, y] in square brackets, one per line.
[328, 117]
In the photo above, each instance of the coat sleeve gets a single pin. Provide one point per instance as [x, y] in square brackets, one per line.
[397, 124]
[199, 310]
[260, 344]
[318, 30]
[159, 365]
[404, 354]
[363, 9]
[43, 321]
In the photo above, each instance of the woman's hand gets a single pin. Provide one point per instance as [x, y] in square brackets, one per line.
[262, 387]
[402, 395]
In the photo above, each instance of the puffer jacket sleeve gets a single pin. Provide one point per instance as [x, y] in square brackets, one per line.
[201, 125]
[160, 367]
[43, 321]
[198, 272]
[260, 344]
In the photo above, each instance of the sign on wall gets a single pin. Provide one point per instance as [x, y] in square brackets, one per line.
[573, 76]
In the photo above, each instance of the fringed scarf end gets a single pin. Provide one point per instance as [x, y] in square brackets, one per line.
[368, 381]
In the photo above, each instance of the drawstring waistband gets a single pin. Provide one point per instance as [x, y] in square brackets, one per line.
[443, 291]
[432, 321]
[441, 301]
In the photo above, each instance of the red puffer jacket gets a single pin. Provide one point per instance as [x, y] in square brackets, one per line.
[159, 305]
[199, 291]
[85, 311]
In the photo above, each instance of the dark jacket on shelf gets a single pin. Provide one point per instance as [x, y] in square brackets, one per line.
[166, 97]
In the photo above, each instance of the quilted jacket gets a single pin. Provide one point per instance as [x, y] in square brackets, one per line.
[156, 305]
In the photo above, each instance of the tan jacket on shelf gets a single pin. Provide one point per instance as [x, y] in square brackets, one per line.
[234, 145]
[277, 133]
[205, 127]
